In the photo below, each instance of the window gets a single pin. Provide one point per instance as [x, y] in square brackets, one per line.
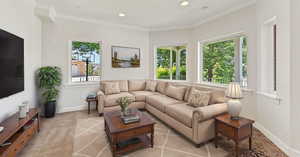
[171, 63]
[268, 57]
[85, 61]
[224, 61]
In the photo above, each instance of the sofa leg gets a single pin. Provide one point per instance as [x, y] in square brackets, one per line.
[204, 143]
[199, 145]
[100, 114]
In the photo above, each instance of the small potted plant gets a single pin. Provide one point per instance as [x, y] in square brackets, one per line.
[124, 103]
[49, 80]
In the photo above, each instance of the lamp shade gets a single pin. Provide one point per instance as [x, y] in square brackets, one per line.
[234, 91]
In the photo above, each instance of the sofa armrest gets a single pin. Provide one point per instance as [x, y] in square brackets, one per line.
[101, 98]
[100, 93]
[210, 111]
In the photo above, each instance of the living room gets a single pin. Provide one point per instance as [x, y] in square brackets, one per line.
[264, 32]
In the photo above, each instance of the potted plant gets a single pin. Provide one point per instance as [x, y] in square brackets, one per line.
[49, 80]
[124, 103]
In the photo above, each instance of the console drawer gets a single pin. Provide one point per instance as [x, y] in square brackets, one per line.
[225, 130]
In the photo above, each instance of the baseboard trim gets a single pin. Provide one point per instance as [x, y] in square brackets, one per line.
[73, 108]
[283, 146]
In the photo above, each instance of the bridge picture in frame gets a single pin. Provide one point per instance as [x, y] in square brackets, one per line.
[125, 57]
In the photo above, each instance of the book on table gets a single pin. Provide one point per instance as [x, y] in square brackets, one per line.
[132, 118]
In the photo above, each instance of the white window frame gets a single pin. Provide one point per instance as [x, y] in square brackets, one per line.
[238, 58]
[265, 50]
[69, 81]
[155, 62]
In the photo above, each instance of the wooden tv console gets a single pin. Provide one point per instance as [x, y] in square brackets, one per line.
[17, 132]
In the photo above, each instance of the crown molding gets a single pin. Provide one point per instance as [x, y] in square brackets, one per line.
[46, 13]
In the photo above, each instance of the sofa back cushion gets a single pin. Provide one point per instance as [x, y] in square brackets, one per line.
[151, 85]
[111, 88]
[136, 85]
[123, 85]
[175, 92]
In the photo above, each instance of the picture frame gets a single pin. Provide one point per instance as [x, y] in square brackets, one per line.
[125, 57]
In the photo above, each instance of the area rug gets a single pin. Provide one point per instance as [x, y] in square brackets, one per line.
[78, 134]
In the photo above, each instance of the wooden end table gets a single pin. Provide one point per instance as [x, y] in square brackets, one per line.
[236, 130]
[117, 132]
[89, 100]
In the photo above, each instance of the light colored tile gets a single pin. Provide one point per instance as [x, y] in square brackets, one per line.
[217, 152]
[172, 153]
[93, 148]
[148, 152]
[182, 144]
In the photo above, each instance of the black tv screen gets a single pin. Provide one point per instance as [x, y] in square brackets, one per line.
[11, 64]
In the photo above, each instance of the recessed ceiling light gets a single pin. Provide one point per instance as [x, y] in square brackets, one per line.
[184, 3]
[122, 14]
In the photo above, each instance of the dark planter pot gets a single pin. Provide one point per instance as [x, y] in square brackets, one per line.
[50, 109]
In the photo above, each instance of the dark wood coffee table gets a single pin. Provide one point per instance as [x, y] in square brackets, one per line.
[118, 132]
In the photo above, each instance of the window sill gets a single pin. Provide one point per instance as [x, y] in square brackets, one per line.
[171, 80]
[274, 95]
[244, 89]
[81, 84]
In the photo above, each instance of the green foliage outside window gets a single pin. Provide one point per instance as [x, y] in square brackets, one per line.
[219, 62]
[164, 65]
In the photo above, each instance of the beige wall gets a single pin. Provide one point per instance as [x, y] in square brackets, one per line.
[17, 17]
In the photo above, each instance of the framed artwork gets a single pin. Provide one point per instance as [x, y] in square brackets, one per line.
[125, 57]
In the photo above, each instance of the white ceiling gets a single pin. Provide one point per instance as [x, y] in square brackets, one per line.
[147, 14]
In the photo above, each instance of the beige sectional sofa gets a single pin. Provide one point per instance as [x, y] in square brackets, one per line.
[170, 106]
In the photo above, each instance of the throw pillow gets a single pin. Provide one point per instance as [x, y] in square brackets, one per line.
[199, 98]
[111, 88]
[151, 86]
[175, 92]
[161, 87]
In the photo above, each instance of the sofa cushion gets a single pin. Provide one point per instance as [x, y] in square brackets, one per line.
[160, 101]
[111, 100]
[151, 85]
[181, 112]
[136, 85]
[175, 92]
[111, 88]
[123, 85]
[161, 86]
[141, 95]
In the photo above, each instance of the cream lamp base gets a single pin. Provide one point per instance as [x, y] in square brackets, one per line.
[234, 108]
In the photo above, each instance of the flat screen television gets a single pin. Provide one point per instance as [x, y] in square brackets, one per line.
[11, 64]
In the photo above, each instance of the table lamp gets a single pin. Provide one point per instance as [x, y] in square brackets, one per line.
[234, 92]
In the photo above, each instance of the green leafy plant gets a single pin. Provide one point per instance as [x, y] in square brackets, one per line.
[124, 102]
[49, 80]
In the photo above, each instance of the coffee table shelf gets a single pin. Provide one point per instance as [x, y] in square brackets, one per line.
[144, 143]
